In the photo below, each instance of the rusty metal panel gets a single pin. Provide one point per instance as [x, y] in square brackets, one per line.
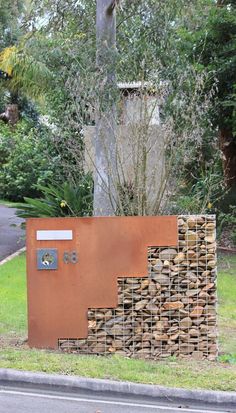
[101, 250]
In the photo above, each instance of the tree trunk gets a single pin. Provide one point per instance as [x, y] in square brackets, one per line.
[228, 141]
[105, 143]
[222, 3]
[11, 114]
[228, 149]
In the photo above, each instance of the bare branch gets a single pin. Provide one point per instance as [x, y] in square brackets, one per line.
[112, 6]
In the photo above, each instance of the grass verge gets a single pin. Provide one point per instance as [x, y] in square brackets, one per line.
[185, 374]
[14, 353]
[13, 297]
[227, 306]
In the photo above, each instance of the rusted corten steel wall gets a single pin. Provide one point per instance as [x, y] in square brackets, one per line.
[143, 287]
[107, 248]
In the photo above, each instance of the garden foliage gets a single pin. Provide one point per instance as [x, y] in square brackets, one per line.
[60, 200]
[24, 160]
[173, 44]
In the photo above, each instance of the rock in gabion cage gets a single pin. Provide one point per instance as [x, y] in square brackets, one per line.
[172, 312]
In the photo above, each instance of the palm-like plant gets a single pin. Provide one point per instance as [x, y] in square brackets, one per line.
[60, 201]
[24, 75]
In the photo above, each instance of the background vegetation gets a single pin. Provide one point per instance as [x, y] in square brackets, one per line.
[184, 49]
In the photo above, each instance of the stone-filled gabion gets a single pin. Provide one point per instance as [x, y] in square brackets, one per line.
[172, 312]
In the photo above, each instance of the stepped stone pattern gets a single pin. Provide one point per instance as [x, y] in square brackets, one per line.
[172, 312]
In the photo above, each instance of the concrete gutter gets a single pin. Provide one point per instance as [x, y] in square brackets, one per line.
[15, 254]
[65, 383]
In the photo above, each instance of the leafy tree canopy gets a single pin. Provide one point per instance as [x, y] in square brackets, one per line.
[212, 46]
[10, 14]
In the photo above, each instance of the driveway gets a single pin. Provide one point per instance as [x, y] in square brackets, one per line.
[11, 237]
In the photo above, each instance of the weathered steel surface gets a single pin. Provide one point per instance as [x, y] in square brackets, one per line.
[108, 248]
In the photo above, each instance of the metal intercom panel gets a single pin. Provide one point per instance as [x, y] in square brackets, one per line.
[47, 259]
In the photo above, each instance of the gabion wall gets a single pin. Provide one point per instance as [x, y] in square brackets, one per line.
[170, 313]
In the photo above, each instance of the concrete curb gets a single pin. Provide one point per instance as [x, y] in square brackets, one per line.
[15, 254]
[10, 376]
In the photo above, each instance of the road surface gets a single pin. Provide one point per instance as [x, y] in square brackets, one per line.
[25, 400]
[11, 237]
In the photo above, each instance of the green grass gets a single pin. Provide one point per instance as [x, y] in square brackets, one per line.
[13, 297]
[179, 373]
[204, 375]
[227, 304]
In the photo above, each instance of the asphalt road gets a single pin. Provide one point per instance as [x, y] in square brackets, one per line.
[10, 236]
[24, 400]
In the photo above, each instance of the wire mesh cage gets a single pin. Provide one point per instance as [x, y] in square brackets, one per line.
[171, 311]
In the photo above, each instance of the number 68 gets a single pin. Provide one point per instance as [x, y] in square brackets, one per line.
[70, 257]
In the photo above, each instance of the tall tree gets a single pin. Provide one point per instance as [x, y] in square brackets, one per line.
[147, 41]
[225, 23]
[212, 47]
[105, 140]
[10, 13]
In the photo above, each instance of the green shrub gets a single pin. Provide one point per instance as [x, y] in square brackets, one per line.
[233, 237]
[185, 204]
[6, 144]
[228, 220]
[60, 200]
[23, 161]
[201, 197]
[228, 199]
